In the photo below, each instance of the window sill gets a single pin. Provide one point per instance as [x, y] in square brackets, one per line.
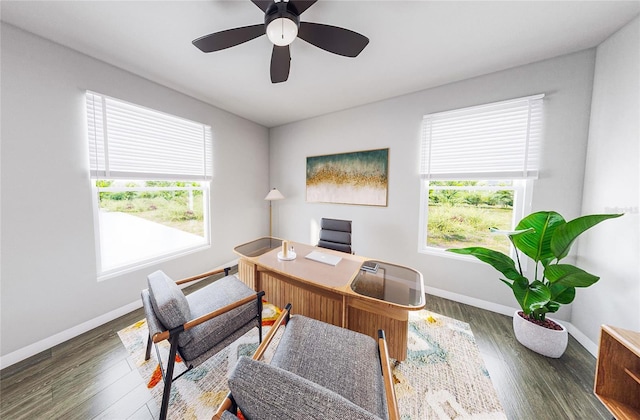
[439, 252]
[138, 265]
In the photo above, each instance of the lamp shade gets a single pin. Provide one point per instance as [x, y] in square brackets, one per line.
[274, 194]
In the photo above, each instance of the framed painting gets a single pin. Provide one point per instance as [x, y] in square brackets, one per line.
[349, 178]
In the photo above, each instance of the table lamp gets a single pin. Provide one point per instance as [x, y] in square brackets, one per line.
[274, 194]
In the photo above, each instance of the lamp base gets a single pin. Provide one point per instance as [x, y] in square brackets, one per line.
[290, 256]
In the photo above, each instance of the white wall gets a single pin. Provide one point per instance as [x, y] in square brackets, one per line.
[612, 184]
[391, 233]
[48, 253]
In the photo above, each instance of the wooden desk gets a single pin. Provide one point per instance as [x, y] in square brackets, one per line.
[341, 295]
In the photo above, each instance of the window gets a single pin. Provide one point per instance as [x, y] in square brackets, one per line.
[150, 174]
[477, 165]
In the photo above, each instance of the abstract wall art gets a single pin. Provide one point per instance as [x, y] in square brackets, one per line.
[349, 178]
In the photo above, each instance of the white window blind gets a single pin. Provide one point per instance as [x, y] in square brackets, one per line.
[501, 140]
[131, 142]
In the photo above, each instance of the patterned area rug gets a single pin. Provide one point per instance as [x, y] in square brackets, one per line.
[442, 378]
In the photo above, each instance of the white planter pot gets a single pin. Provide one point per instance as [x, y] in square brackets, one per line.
[550, 343]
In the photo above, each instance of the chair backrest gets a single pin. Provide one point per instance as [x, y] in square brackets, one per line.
[335, 234]
[168, 304]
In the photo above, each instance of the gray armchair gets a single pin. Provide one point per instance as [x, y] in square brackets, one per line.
[318, 371]
[200, 324]
[335, 234]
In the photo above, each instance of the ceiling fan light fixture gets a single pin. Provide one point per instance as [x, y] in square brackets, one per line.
[282, 31]
[282, 25]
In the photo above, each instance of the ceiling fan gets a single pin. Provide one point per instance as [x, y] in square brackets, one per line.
[282, 25]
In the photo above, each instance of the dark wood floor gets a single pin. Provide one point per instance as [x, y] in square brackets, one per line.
[530, 386]
[90, 377]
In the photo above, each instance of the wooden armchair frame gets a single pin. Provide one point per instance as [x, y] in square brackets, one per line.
[392, 405]
[387, 376]
[173, 334]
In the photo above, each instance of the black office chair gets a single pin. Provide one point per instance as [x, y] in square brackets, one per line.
[335, 234]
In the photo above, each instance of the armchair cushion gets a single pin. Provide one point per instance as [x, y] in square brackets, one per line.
[169, 303]
[228, 326]
[343, 361]
[287, 396]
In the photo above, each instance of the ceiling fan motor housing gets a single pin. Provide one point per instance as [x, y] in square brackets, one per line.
[282, 10]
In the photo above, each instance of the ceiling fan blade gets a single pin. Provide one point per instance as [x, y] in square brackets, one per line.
[262, 4]
[231, 37]
[280, 64]
[333, 39]
[302, 5]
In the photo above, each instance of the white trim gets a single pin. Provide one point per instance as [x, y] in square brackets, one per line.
[579, 336]
[423, 222]
[478, 303]
[61, 337]
[142, 262]
[471, 109]
[95, 201]
[49, 342]
[137, 265]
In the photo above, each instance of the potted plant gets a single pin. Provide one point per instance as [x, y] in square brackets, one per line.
[545, 237]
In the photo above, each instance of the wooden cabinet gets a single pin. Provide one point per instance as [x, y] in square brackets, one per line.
[617, 382]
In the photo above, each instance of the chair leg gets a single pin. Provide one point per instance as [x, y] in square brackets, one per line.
[147, 355]
[260, 295]
[168, 378]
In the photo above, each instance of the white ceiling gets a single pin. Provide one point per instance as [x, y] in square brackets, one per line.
[413, 45]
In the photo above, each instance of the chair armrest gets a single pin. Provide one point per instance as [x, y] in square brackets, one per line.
[206, 317]
[203, 275]
[392, 403]
[284, 317]
[257, 355]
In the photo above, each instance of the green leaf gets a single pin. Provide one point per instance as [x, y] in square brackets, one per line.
[497, 231]
[540, 312]
[510, 284]
[538, 307]
[533, 296]
[567, 275]
[551, 306]
[564, 235]
[496, 259]
[537, 244]
[562, 294]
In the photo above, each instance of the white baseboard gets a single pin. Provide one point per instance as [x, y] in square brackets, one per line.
[580, 337]
[49, 342]
[61, 337]
[478, 303]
